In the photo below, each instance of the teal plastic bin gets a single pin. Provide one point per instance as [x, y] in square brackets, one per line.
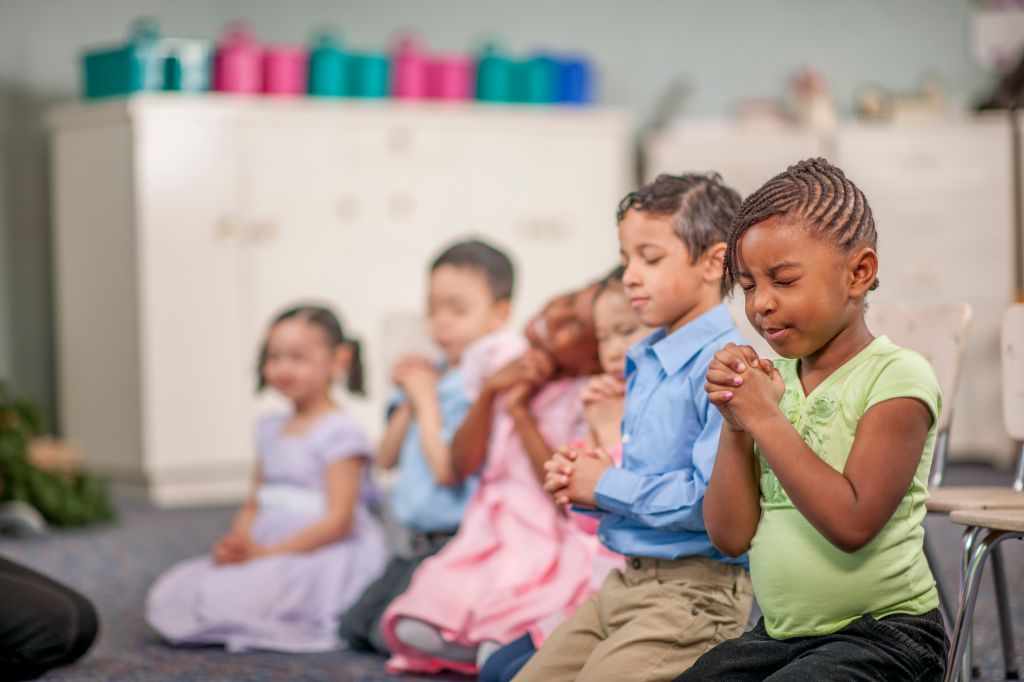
[369, 75]
[147, 62]
[328, 68]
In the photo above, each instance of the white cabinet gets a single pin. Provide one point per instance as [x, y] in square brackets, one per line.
[183, 224]
[941, 194]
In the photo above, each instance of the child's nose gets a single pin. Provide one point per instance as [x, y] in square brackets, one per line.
[764, 302]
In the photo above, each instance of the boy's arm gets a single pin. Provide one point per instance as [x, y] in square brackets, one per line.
[732, 506]
[391, 443]
[435, 449]
[671, 500]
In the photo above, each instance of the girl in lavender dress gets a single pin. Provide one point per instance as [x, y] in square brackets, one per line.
[304, 546]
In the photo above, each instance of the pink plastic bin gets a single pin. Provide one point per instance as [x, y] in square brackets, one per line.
[452, 77]
[285, 70]
[411, 69]
[237, 66]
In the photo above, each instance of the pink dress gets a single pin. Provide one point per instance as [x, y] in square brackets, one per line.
[517, 561]
[604, 563]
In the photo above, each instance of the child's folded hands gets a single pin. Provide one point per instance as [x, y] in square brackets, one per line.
[235, 548]
[743, 396]
[573, 473]
[415, 375]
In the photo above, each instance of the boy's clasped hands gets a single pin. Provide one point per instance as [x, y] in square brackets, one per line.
[741, 396]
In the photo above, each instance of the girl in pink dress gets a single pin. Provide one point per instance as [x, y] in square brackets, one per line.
[617, 327]
[305, 545]
[518, 559]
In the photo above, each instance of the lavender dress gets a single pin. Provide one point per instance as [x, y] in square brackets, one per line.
[287, 602]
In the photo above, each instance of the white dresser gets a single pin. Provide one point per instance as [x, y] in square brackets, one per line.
[182, 224]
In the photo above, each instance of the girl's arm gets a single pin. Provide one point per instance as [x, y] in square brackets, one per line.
[247, 514]
[533, 441]
[850, 507]
[607, 435]
[603, 399]
[732, 507]
[469, 445]
[391, 443]
[342, 482]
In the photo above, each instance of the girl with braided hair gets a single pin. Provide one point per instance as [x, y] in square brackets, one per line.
[823, 459]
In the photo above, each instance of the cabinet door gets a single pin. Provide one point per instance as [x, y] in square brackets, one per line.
[547, 190]
[941, 197]
[745, 158]
[197, 372]
[304, 229]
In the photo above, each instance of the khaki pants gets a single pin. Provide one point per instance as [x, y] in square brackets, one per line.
[650, 622]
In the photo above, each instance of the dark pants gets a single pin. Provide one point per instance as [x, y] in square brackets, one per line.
[900, 647]
[504, 663]
[42, 623]
[361, 625]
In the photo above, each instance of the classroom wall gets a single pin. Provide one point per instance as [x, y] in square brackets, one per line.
[718, 52]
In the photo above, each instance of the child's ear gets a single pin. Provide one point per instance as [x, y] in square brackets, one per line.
[502, 311]
[863, 269]
[714, 262]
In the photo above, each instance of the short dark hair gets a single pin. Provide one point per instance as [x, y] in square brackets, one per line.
[702, 206]
[819, 195]
[490, 260]
[328, 322]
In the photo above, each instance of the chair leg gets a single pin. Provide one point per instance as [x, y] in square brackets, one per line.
[938, 472]
[1005, 616]
[975, 563]
[969, 542]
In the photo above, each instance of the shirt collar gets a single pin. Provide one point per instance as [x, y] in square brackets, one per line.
[674, 350]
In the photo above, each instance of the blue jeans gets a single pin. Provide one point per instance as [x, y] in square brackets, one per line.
[504, 663]
[899, 647]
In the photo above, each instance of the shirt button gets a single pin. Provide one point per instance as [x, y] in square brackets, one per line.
[602, 537]
[625, 438]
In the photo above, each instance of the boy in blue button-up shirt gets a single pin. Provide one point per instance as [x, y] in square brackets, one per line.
[678, 596]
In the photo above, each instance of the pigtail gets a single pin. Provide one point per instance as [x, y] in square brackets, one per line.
[355, 377]
[261, 381]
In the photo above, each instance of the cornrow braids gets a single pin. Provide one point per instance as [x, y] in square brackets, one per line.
[816, 193]
[702, 206]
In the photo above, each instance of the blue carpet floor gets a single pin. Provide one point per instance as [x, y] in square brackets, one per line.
[114, 565]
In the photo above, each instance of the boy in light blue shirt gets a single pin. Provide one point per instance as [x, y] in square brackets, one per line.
[469, 302]
[678, 595]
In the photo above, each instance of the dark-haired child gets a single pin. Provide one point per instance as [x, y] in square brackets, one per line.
[517, 559]
[677, 595]
[470, 291]
[305, 544]
[618, 328]
[822, 471]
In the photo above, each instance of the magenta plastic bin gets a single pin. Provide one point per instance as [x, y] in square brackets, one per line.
[452, 77]
[285, 70]
[238, 63]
